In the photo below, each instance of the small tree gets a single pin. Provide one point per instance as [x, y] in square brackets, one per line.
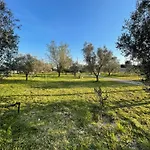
[25, 63]
[101, 100]
[59, 56]
[96, 61]
[112, 66]
[47, 67]
[41, 66]
[74, 68]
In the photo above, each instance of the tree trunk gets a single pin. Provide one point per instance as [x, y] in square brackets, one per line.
[97, 78]
[26, 76]
[58, 73]
[74, 74]
[109, 73]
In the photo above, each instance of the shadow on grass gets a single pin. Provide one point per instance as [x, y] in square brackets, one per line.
[14, 96]
[44, 122]
[76, 84]
[6, 99]
[121, 75]
[65, 84]
[40, 123]
[18, 81]
[130, 103]
[137, 129]
[63, 76]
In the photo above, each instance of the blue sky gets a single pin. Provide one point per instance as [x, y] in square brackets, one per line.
[70, 21]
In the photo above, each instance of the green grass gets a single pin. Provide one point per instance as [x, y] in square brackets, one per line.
[63, 114]
[124, 76]
[132, 78]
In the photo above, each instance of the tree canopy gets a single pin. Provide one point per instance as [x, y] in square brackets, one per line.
[25, 64]
[59, 56]
[8, 38]
[96, 60]
[41, 67]
[112, 65]
[74, 68]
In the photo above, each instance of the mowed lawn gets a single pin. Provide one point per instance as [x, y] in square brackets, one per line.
[63, 114]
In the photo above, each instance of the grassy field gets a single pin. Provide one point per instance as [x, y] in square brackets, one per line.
[125, 76]
[63, 114]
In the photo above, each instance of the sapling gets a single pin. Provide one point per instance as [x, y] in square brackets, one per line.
[101, 99]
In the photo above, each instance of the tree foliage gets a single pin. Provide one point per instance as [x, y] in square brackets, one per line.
[112, 65]
[59, 56]
[25, 64]
[41, 67]
[8, 37]
[129, 67]
[135, 39]
[74, 68]
[96, 60]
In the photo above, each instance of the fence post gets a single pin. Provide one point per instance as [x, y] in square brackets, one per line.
[18, 103]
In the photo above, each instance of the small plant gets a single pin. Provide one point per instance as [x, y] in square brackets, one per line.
[99, 93]
[101, 99]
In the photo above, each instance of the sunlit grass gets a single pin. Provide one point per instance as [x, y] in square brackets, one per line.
[58, 113]
[125, 76]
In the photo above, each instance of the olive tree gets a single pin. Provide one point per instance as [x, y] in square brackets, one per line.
[59, 56]
[40, 66]
[112, 66]
[74, 68]
[25, 64]
[96, 60]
